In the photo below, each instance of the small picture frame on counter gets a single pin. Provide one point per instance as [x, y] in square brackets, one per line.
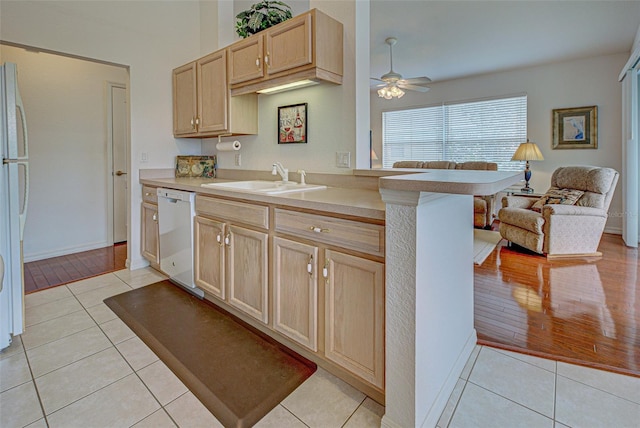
[292, 124]
[196, 166]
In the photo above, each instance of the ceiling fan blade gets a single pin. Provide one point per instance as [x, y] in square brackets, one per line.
[415, 81]
[376, 79]
[413, 87]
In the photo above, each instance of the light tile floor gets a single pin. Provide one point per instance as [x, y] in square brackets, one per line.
[78, 365]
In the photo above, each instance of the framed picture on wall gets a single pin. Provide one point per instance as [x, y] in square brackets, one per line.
[292, 124]
[575, 128]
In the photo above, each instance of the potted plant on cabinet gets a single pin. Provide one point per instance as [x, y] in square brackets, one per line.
[260, 16]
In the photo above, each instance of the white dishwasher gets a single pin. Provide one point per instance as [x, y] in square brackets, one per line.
[176, 210]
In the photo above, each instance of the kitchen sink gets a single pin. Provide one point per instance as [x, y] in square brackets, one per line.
[264, 187]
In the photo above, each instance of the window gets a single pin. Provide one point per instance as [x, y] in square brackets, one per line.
[487, 130]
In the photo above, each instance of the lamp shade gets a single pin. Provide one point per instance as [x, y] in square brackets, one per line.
[527, 151]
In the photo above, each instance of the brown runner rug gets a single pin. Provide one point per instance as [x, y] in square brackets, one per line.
[238, 373]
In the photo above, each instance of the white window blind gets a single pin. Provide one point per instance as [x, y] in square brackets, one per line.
[414, 134]
[487, 130]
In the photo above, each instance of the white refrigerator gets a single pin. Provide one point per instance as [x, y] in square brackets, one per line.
[14, 195]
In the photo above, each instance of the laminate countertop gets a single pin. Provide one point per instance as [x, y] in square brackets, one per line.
[355, 202]
[344, 201]
[452, 181]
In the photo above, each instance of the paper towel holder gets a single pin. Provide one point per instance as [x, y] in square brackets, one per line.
[223, 135]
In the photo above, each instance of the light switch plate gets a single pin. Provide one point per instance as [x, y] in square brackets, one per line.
[238, 160]
[343, 159]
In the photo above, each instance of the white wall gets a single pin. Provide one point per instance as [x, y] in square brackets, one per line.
[331, 113]
[65, 107]
[578, 83]
[151, 38]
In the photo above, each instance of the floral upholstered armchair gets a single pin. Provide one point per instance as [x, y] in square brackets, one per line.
[569, 219]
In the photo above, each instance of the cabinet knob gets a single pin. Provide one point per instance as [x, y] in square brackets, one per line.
[219, 238]
[197, 121]
[155, 217]
[258, 63]
[325, 270]
[310, 265]
[227, 239]
[318, 229]
[266, 60]
[193, 123]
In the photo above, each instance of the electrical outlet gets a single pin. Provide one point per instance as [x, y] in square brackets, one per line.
[343, 159]
[238, 160]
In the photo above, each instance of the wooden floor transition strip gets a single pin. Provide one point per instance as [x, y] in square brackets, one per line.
[237, 373]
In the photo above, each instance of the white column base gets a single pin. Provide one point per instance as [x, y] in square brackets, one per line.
[138, 263]
[429, 302]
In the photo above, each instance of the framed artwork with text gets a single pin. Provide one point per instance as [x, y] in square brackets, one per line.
[292, 124]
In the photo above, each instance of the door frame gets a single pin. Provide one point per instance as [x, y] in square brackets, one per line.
[110, 197]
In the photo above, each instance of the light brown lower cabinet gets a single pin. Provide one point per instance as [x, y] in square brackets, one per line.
[311, 280]
[150, 234]
[295, 291]
[247, 271]
[209, 259]
[354, 315]
[230, 263]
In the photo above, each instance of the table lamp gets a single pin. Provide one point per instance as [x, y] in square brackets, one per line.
[526, 152]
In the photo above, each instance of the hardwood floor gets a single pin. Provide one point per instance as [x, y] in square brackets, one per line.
[584, 311]
[61, 270]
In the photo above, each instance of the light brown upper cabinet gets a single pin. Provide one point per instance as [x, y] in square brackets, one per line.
[308, 46]
[202, 102]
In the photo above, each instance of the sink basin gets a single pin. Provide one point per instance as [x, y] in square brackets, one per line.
[264, 187]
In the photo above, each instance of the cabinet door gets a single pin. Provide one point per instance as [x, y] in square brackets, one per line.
[245, 59]
[184, 100]
[295, 291]
[289, 46]
[150, 233]
[213, 93]
[247, 271]
[354, 317]
[209, 256]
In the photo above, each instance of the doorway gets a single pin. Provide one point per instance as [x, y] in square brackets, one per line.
[117, 141]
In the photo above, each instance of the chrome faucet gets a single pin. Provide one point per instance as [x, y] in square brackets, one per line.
[279, 169]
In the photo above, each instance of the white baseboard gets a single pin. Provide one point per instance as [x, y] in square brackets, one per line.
[138, 263]
[440, 403]
[613, 230]
[64, 251]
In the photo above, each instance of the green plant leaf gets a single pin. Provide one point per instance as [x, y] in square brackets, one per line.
[255, 21]
[261, 15]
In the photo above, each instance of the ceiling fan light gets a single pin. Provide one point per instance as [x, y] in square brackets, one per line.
[390, 91]
[396, 92]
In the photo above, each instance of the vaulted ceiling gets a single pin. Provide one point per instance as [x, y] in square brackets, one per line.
[452, 39]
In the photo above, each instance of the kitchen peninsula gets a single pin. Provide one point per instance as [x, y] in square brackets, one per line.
[413, 234]
[429, 287]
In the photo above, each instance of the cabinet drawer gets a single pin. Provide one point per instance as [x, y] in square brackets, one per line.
[238, 212]
[149, 194]
[368, 238]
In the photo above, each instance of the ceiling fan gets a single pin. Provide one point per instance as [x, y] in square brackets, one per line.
[393, 83]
